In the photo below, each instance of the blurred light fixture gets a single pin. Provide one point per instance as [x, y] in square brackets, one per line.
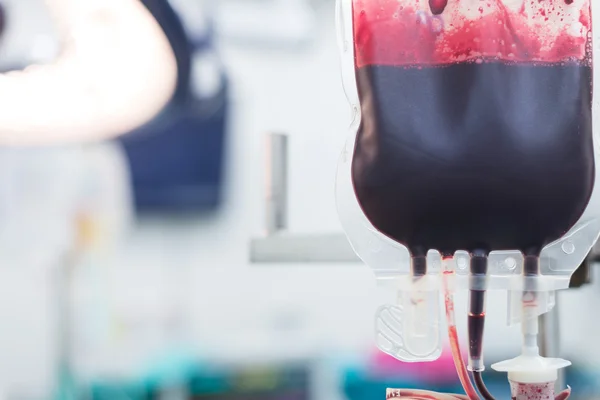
[115, 72]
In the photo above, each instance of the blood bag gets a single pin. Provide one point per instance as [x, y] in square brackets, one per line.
[472, 130]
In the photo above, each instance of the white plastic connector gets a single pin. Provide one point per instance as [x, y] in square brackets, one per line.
[530, 367]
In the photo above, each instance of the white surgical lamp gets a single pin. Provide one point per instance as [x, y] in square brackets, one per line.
[116, 71]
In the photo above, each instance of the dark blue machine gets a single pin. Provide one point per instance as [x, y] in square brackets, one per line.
[177, 160]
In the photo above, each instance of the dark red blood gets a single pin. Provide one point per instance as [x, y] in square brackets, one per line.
[428, 135]
[437, 6]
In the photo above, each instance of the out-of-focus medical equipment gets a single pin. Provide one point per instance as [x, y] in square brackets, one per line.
[177, 160]
[116, 71]
[469, 124]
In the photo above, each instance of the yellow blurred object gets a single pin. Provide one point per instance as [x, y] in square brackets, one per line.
[257, 379]
[87, 231]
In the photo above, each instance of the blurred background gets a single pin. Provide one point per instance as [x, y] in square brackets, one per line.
[171, 263]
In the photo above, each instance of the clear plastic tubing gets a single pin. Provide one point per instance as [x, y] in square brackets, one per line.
[448, 274]
[414, 394]
[459, 363]
[476, 319]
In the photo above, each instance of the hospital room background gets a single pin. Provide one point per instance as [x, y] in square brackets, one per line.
[172, 263]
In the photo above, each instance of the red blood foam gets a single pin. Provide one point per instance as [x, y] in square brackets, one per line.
[436, 32]
[532, 391]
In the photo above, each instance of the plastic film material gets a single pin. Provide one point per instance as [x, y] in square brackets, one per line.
[410, 330]
[390, 260]
[538, 303]
[459, 363]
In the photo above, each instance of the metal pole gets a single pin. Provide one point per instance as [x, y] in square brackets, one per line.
[549, 339]
[276, 184]
[277, 245]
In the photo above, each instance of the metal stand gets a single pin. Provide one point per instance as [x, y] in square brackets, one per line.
[276, 184]
[280, 246]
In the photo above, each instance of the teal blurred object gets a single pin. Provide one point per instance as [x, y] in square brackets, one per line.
[173, 369]
[585, 383]
[194, 380]
[361, 384]
[117, 391]
[260, 382]
[67, 385]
